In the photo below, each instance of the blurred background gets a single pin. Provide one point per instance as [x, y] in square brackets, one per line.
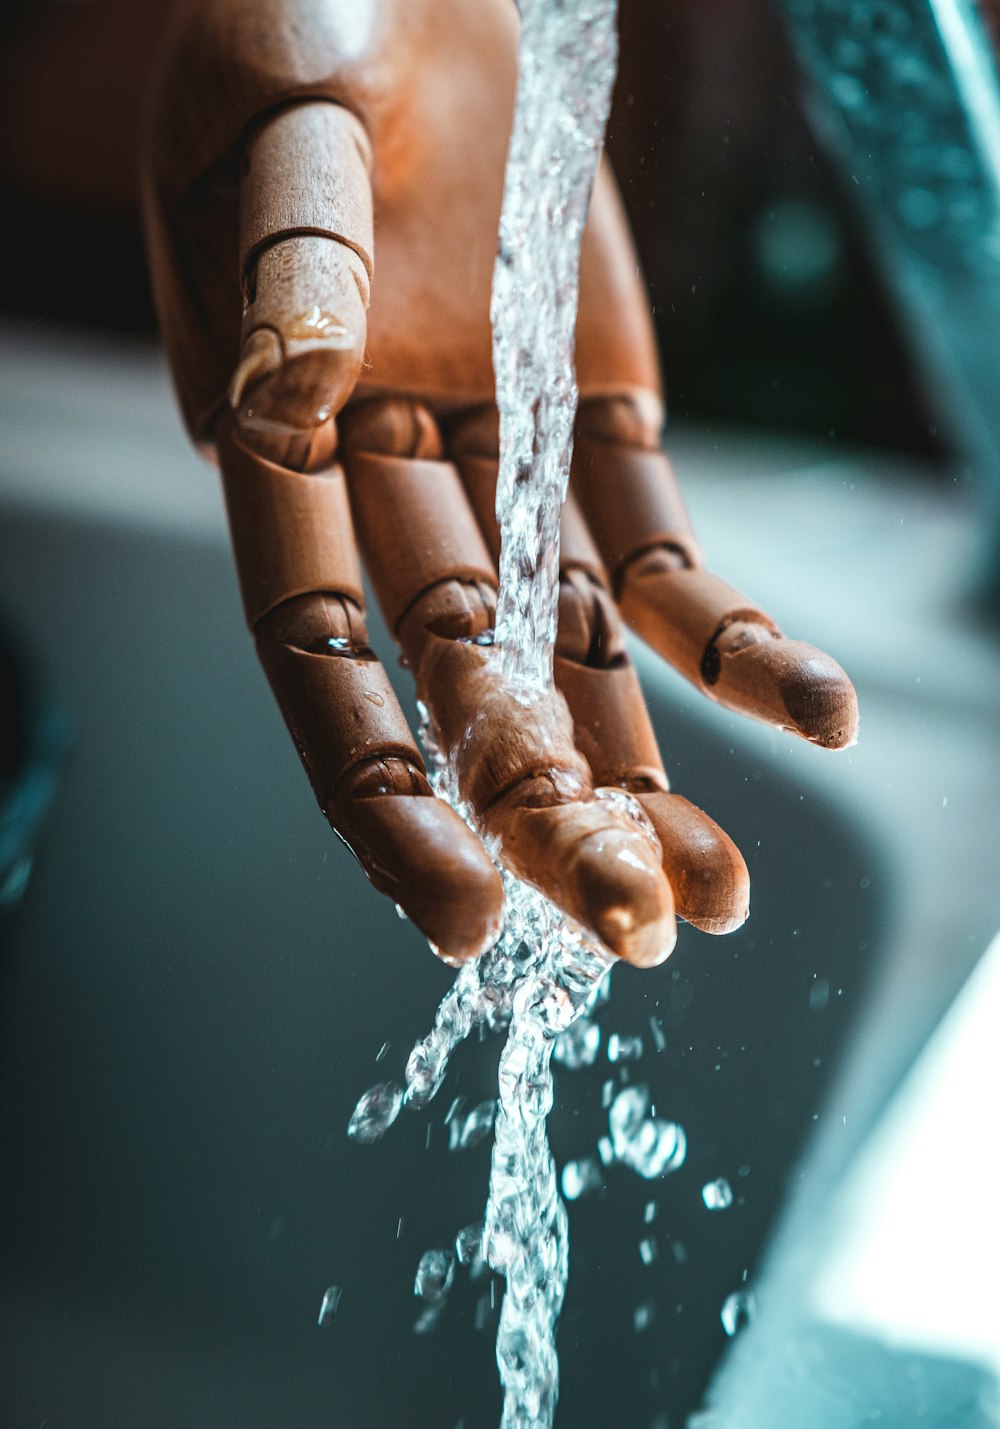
[765, 290]
[194, 981]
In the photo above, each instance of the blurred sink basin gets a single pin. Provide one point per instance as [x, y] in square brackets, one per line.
[196, 989]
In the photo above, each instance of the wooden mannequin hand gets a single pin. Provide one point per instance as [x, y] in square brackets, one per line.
[343, 403]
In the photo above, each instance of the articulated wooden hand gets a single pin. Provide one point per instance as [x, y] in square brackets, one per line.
[347, 404]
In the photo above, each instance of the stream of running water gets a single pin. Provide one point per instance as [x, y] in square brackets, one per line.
[545, 971]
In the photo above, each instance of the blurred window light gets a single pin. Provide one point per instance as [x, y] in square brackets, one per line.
[914, 1254]
[797, 249]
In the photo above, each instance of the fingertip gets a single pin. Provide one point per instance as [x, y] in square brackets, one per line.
[417, 850]
[794, 685]
[624, 897]
[707, 872]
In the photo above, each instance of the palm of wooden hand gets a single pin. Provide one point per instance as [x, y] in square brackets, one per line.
[291, 145]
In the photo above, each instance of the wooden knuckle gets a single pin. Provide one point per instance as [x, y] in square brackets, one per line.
[415, 529]
[319, 624]
[634, 419]
[305, 171]
[391, 426]
[340, 712]
[590, 629]
[682, 612]
[611, 724]
[632, 502]
[496, 742]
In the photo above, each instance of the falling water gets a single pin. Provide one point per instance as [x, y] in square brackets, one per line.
[566, 68]
[567, 60]
[544, 971]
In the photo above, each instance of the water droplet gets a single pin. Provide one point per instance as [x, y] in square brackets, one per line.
[642, 1316]
[375, 1112]
[717, 1195]
[472, 1129]
[427, 1321]
[647, 1144]
[578, 1046]
[607, 1093]
[626, 1116]
[331, 1300]
[374, 698]
[579, 1178]
[381, 1051]
[659, 1036]
[819, 995]
[435, 1273]
[647, 1250]
[469, 1242]
[624, 1049]
[679, 1251]
[738, 1310]
[649, 1213]
[605, 1150]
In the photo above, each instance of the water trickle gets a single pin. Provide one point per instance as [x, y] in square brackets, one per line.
[567, 57]
[545, 973]
[330, 1305]
[477, 1126]
[642, 1316]
[375, 1112]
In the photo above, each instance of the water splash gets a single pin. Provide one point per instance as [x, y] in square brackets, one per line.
[545, 971]
[375, 1112]
[578, 1046]
[580, 1178]
[567, 57]
[737, 1311]
[650, 1146]
[717, 1195]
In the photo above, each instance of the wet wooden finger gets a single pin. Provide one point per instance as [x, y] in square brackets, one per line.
[611, 724]
[514, 758]
[717, 638]
[299, 574]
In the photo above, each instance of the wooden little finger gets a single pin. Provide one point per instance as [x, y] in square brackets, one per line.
[718, 639]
